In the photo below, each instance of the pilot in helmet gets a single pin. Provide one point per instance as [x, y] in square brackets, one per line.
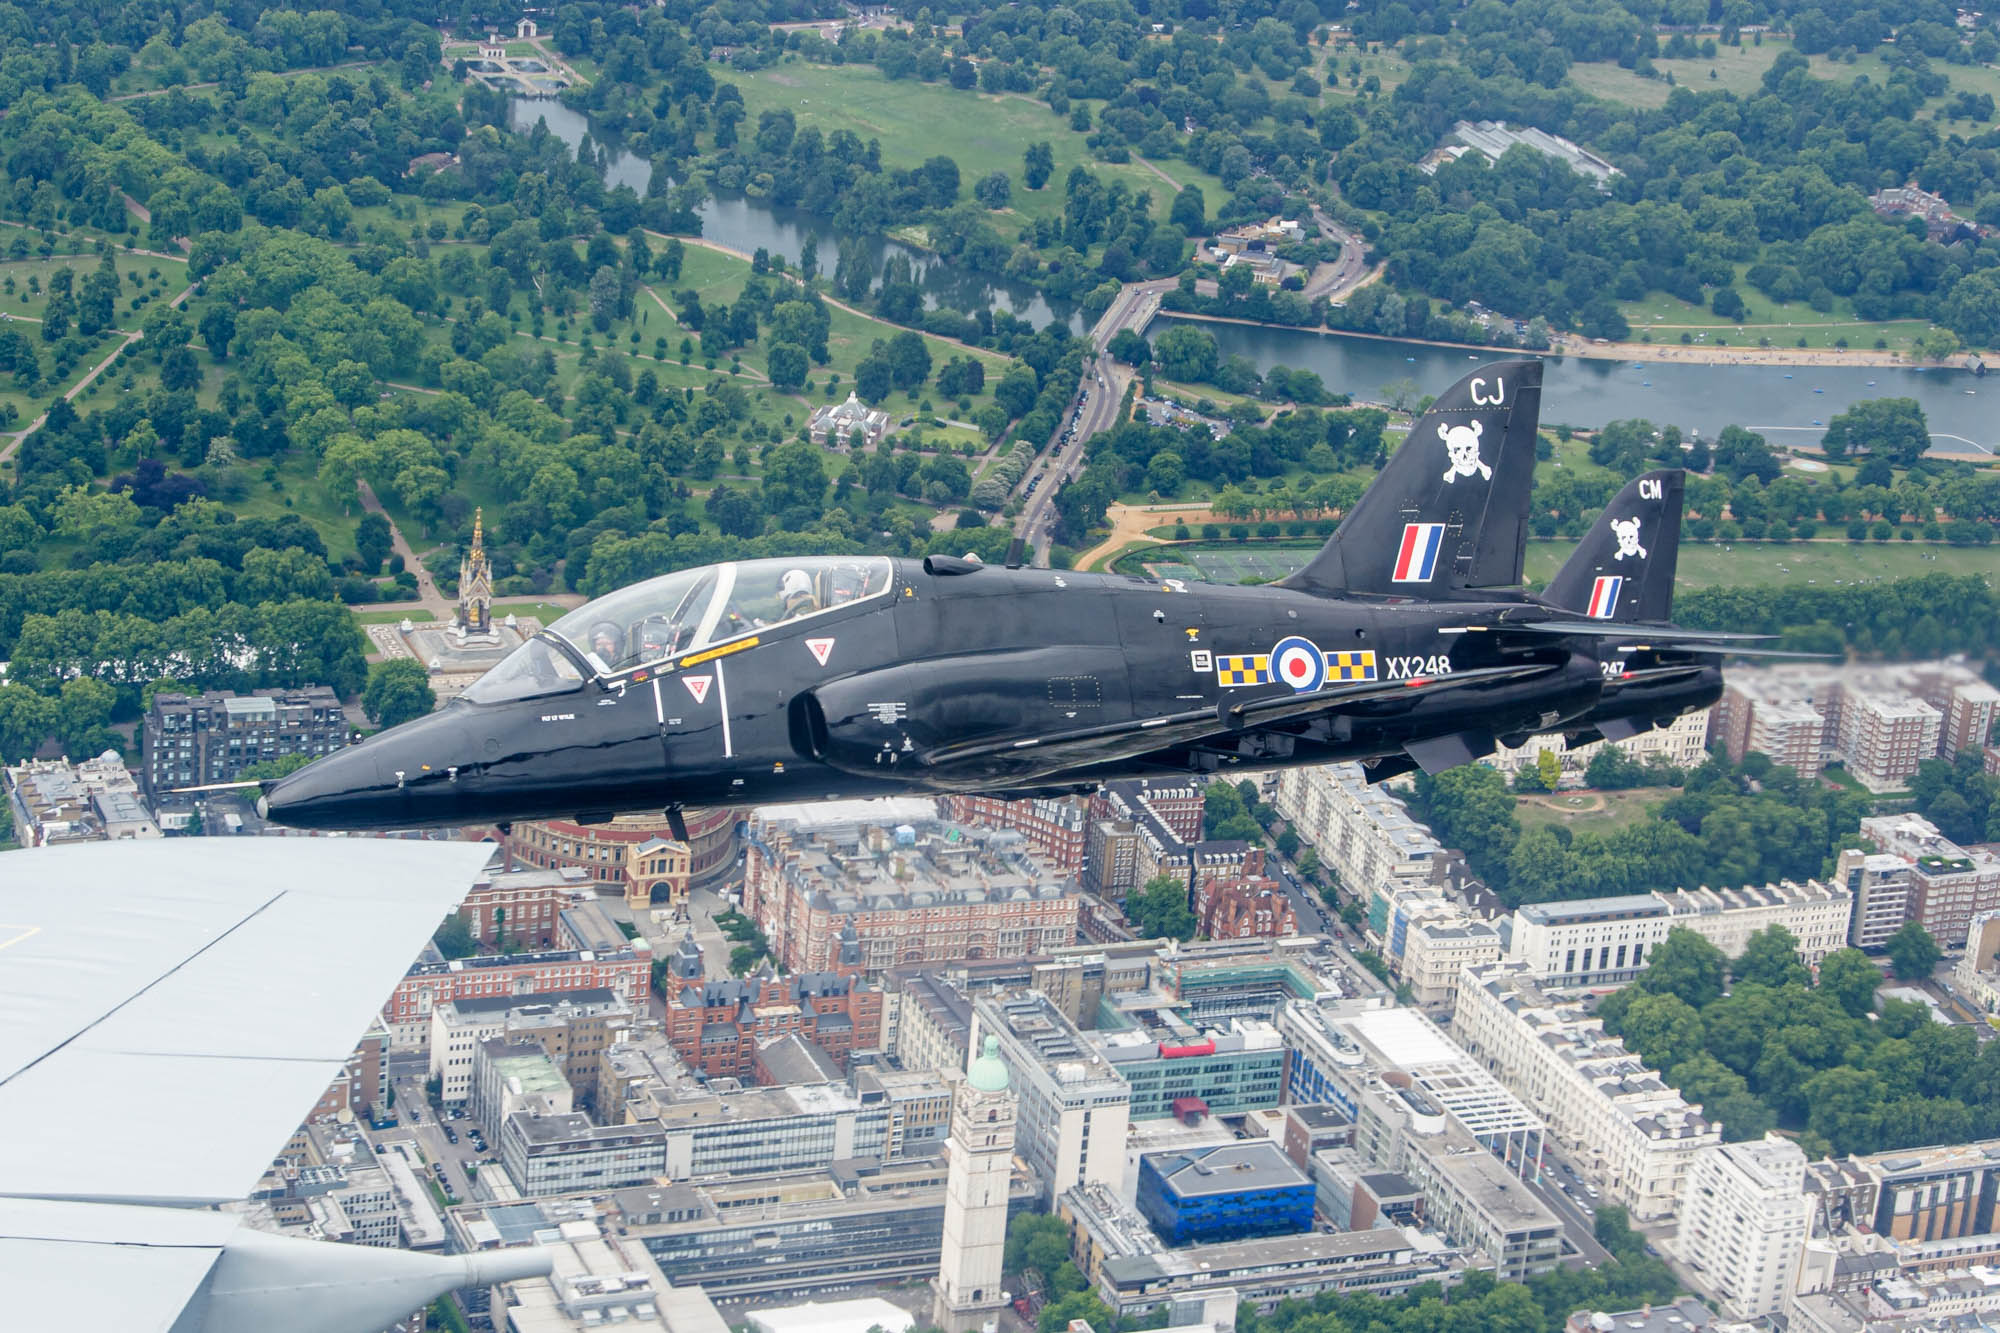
[606, 642]
[797, 591]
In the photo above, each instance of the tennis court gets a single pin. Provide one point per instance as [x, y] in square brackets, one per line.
[1235, 564]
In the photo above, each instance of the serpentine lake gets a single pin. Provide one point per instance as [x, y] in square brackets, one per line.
[1787, 404]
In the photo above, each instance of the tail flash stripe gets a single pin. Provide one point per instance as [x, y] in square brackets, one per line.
[1416, 559]
[1604, 597]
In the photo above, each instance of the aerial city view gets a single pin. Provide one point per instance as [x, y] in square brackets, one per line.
[1030, 666]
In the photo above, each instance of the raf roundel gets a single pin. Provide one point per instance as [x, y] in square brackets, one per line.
[1298, 663]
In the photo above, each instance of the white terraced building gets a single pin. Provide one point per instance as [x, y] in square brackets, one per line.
[1615, 1118]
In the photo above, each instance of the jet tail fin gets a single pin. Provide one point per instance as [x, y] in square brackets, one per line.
[1450, 511]
[1623, 569]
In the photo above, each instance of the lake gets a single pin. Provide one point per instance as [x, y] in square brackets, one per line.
[750, 225]
[1782, 403]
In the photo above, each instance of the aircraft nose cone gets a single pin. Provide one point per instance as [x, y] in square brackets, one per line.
[343, 790]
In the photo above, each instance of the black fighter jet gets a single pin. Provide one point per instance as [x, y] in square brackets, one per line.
[1405, 641]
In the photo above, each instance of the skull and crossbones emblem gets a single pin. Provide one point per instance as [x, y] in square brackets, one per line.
[1461, 444]
[1627, 532]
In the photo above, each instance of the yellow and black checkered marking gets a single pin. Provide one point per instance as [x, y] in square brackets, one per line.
[1351, 666]
[1247, 669]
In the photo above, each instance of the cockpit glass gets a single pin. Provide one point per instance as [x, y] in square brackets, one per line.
[691, 609]
[646, 622]
[535, 668]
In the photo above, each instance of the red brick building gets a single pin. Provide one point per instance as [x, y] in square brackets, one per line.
[715, 1026]
[627, 972]
[1175, 802]
[1243, 908]
[605, 851]
[1053, 826]
[525, 904]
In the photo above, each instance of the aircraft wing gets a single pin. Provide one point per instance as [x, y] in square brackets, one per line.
[169, 1012]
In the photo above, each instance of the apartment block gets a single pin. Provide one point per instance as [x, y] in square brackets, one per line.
[564, 1154]
[1239, 909]
[1053, 825]
[54, 802]
[1437, 948]
[1880, 884]
[1949, 884]
[1606, 941]
[717, 1025]
[1682, 743]
[1880, 719]
[434, 981]
[914, 888]
[1074, 1104]
[574, 1028]
[1613, 1116]
[1362, 833]
[190, 740]
[1744, 1222]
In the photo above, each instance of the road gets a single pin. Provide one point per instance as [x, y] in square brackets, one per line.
[1345, 273]
[1102, 390]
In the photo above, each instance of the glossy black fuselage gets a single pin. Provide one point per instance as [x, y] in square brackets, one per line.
[876, 698]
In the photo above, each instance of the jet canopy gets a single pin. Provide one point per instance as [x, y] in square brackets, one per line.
[684, 612]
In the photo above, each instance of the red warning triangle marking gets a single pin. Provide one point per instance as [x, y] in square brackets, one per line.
[697, 686]
[821, 649]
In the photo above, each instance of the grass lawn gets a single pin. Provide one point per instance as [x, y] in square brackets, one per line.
[392, 617]
[1589, 811]
[1662, 318]
[1738, 69]
[1353, 67]
[981, 132]
[1823, 563]
[1702, 565]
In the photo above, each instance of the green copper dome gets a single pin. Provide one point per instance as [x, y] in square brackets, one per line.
[988, 1074]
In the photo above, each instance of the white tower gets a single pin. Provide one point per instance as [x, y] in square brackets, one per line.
[980, 1156]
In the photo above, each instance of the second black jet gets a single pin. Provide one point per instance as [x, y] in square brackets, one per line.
[1404, 643]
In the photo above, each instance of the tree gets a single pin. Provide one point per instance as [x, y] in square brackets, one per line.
[1686, 965]
[1160, 909]
[873, 378]
[1036, 1243]
[1888, 428]
[398, 690]
[1131, 347]
[788, 365]
[1038, 165]
[82, 712]
[1770, 958]
[1189, 211]
[909, 359]
[26, 720]
[1912, 952]
[1187, 353]
[1664, 1029]
[1849, 976]
[994, 190]
[454, 938]
[373, 540]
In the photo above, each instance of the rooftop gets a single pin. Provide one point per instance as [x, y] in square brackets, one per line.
[1228, 1169]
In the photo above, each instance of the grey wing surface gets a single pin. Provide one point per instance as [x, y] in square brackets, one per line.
[169, 1011]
